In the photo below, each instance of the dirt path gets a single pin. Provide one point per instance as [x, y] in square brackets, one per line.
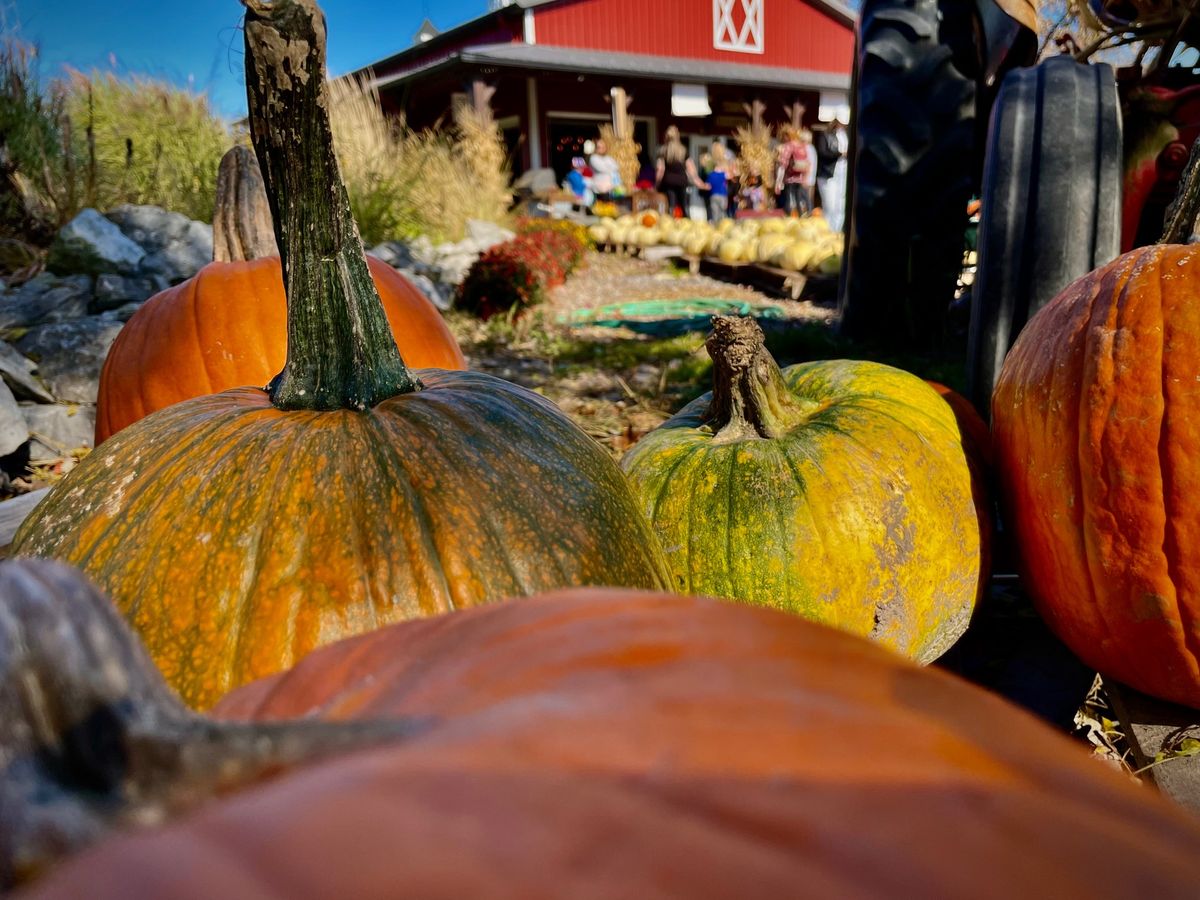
[616, 382]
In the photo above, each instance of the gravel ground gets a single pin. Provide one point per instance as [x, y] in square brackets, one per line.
[616, 383]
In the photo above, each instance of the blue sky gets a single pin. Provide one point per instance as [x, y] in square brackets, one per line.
[199, 42]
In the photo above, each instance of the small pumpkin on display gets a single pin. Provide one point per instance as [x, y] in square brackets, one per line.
[836, 490]
[238, 531]
[1096, 418]
[226, 327]
[594, 743]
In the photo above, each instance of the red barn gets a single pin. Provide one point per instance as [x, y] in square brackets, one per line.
[554, 64]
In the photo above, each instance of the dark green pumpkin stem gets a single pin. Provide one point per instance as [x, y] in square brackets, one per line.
[1183, 215]
[749, 398]
[341, 354]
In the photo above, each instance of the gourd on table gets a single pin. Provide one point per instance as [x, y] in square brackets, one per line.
[226, 326]
[836, 490]
[238, 531]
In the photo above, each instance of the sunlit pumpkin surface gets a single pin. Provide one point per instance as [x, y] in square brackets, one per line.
[607, 744]
[1097, 435]
[227, 328]
[237, 537]
[860, 517]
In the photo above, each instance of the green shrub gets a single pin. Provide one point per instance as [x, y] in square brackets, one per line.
[32, 161]
[142, 141]
[403, 183]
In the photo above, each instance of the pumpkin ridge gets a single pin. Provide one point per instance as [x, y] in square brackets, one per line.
[197, 326]
[144, 481]
[242, 618]
[1098, 324]
[434, 569]
[1171, 543]
[731, 489]
[467, 424]
[786, 451]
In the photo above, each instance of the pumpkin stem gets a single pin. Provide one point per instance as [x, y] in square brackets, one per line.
[242, 226]
[341, 354]
[750, 399]
[91, 737]
[1183, 215]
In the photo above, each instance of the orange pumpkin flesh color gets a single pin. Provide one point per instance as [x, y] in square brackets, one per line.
[227, 327]
[598, 744]
[1097, 437]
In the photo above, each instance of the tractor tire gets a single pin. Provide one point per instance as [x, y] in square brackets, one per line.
[1051, 202]
[914, 165]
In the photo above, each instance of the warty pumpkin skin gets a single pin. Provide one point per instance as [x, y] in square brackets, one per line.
[614, 744]
[836, 490]
[226, 327]
[240, 530]
[236, 537]
[1096, 419]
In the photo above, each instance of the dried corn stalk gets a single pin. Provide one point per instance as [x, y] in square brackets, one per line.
[625, 152]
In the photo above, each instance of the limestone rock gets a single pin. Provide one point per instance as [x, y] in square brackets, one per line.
[114, 291]
[46, 298]
[69, 354]
[58, 428]
[90, 244]
[13, 431]
[176, 247]
[18, 372]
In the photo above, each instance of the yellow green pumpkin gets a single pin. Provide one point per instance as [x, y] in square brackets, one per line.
[836, 490]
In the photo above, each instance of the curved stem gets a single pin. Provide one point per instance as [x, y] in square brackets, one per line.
[341, 354]
[1183, 215]
[750, 399]
[242, 225]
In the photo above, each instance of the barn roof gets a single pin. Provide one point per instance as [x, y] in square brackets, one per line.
[594, 62]
[840, 12]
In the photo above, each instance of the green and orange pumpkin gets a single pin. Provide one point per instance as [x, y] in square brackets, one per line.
[1096, 419]
[839, 491]
[240, 530]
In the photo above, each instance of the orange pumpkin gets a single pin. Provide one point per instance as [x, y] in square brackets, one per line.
[226, 327]
[619, 744]
[1096, 417]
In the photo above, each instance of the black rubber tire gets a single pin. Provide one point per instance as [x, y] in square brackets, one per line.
[914, 165]
[1051, 202]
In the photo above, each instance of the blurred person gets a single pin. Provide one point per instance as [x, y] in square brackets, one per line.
[578, 182]
[792, 172]
[606, 173]
[675, 172]
[832, 144]
[717, 180]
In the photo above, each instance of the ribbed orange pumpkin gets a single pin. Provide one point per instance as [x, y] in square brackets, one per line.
[615, 744]
[1096, 418]
[226, 327]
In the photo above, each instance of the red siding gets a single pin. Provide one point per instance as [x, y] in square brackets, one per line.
[796, 35]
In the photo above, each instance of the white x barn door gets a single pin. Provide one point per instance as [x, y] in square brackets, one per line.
[740, 33]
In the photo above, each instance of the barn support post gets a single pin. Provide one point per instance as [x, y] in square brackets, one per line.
[533, 117]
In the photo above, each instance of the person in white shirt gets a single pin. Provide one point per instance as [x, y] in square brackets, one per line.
[606, 174]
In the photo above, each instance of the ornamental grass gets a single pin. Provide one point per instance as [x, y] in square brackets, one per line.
[404, 183]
